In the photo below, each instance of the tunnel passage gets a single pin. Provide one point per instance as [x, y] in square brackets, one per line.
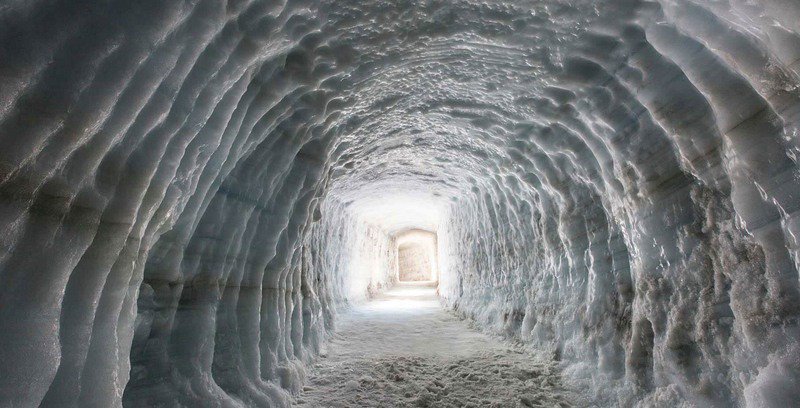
[191, 193]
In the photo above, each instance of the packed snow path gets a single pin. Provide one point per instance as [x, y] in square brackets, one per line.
[403, 350]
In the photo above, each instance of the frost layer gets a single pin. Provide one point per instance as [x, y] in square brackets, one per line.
[184, 187]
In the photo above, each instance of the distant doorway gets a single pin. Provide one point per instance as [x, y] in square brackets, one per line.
[414, 263]
[416, 256]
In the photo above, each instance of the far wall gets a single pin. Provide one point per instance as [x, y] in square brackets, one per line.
[416, 256]
[414, 263]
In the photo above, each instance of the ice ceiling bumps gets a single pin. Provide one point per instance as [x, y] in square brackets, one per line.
[185, 187]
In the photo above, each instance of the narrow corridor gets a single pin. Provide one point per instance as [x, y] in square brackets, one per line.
[403, 349]
[200, 202]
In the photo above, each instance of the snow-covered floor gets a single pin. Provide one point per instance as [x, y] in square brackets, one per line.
[403, 349]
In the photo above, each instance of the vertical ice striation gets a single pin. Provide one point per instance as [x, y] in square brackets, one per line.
[189, 191]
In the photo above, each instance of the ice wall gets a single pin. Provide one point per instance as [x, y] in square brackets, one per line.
[161, 167]
[184, 184]
[413, 263]
[359, 259]
[647, 232]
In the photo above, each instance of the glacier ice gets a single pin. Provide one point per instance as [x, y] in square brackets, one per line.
[191, 191]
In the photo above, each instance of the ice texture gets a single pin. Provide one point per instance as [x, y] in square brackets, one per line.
[403, 350]
[190, 191]
[416, 256]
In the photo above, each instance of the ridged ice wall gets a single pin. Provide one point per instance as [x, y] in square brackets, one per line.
[185, 186]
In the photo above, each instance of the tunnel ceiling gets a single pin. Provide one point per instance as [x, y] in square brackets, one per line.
[597, 171]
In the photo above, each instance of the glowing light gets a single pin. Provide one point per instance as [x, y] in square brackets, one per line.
[417, 256]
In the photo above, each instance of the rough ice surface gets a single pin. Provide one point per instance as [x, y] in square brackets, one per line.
[190, 192]
[386, 355]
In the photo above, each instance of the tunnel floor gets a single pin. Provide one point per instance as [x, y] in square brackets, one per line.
[403, 349]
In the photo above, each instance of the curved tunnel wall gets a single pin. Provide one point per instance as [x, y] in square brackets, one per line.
[615, 182]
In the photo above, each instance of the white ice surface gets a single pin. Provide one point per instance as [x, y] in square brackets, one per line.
[403, 349]
[189, 190]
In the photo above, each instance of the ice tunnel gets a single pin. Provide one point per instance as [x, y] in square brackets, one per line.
[194, 195]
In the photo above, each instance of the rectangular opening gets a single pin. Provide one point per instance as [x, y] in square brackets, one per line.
[414, 263]
[416, 256]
